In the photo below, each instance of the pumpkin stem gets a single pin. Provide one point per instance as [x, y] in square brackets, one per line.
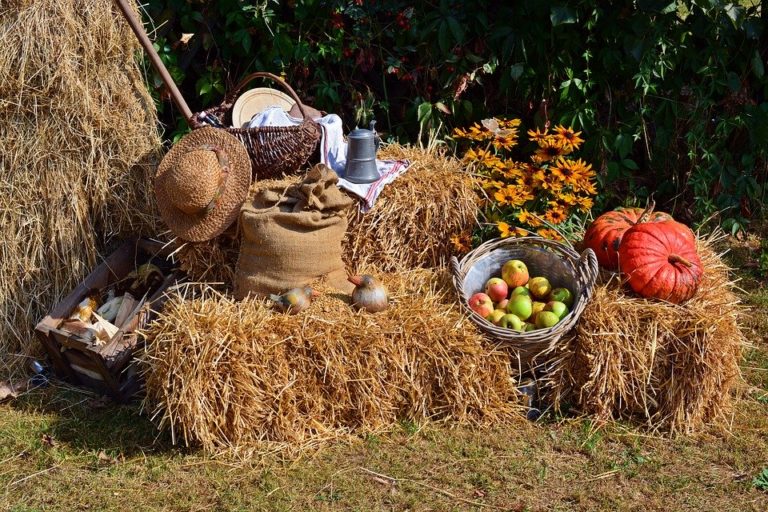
[647, 212]
[674, 258]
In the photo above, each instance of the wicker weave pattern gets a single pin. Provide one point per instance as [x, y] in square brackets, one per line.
[559, 263]
[274, 150]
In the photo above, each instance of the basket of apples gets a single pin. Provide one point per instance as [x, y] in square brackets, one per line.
[525, 292]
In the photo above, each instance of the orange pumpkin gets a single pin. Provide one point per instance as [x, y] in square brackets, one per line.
[660, 261]
[605, 233]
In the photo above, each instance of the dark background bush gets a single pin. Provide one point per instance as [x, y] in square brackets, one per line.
[671, 96]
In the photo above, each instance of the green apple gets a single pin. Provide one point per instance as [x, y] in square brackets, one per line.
[528, 326]
[514, 273]
[521, 290]
[563, 295]
[511, 321]
[539, 287]
[521, 306]
[557, 308]
[546, 319]
[496, 316]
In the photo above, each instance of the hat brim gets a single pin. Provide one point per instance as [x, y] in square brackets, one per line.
[257, 100]
[208, 224]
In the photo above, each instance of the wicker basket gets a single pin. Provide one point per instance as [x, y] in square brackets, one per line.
[557, 262]
[274, 150]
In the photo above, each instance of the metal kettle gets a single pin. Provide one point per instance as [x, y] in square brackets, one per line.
[362, 145]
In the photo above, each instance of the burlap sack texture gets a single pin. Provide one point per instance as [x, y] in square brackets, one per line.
[292, 236]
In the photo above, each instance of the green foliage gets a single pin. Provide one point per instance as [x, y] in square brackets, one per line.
[671, 95]
[761, 480]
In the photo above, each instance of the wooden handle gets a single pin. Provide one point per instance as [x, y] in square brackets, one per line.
[138, 29]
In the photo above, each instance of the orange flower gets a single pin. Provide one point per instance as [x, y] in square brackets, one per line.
[537, 136]
[567, 198]
[506, 195]
[504, 229]
[568, 137]
[548, 150]
[555, 216]
[549, 233]
[584, 204]
[526, 217]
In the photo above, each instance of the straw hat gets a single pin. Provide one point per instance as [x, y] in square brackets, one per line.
[257, 100]
[201, 184]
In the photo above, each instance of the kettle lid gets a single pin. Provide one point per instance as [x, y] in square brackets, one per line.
[362, 133]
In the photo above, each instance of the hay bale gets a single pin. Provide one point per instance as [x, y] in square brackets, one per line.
[78, 144]
[416, 216]
[226, 374]
[672, 367]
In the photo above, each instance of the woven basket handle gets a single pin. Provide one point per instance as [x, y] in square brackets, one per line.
[588, 269]
[230, 98]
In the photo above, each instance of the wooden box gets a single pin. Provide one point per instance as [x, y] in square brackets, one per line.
[106, 368]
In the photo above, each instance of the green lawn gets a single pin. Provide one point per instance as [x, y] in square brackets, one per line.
[62, 449]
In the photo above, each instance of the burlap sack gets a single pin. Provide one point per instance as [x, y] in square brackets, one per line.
[292, 236]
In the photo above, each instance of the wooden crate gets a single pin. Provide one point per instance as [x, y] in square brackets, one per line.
[107, 368]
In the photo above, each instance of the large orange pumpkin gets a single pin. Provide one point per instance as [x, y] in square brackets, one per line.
[660, 260]
[604, 234]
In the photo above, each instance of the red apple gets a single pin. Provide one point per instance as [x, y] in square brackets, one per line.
[496, 289]
[514, 273]
[481, 304]
[502, 304]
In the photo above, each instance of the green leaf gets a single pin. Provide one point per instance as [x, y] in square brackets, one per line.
[442, 38]
[757, 65]
[561, 15]
[424, 111]
[456, 29]
[660, 6]
[516, 71]
[629, 164]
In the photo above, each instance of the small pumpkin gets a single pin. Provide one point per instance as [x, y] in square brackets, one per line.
[605, 232]
[660, 261]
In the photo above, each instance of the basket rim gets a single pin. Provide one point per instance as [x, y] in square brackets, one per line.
[584, 267]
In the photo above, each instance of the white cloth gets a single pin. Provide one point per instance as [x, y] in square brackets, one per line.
[333, 153]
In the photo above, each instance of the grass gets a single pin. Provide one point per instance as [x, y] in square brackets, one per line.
[62, 449]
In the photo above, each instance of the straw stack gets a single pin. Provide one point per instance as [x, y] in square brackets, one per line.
[415, 217]
[78, 143]
[672, 367]
[237, 375]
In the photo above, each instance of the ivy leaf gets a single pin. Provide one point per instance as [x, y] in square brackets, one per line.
[660, 6]
[561, 15]
[757, 65]
[442, 108]
[516, 71]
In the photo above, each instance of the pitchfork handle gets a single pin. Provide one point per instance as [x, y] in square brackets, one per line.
[138, 29]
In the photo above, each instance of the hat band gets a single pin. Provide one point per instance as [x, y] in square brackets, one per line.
[223, 175]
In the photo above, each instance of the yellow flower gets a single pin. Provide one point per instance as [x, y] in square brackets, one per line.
[584, 204]
[526, 217]
[537, 136]
[567, 198]
[504, 229]
[555, 216]
[506, 195]
[569, 138]
[549, 233]
[548, 150]
[486, 184]
[509, 123]
[461, 243]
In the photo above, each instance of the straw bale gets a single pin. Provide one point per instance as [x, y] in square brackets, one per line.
[416, 215]
[78, 144]
[237, 375]
[674, 368]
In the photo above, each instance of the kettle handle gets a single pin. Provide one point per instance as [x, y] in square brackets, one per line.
[376, 138]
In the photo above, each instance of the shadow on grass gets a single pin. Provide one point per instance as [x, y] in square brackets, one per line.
[86, 422]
